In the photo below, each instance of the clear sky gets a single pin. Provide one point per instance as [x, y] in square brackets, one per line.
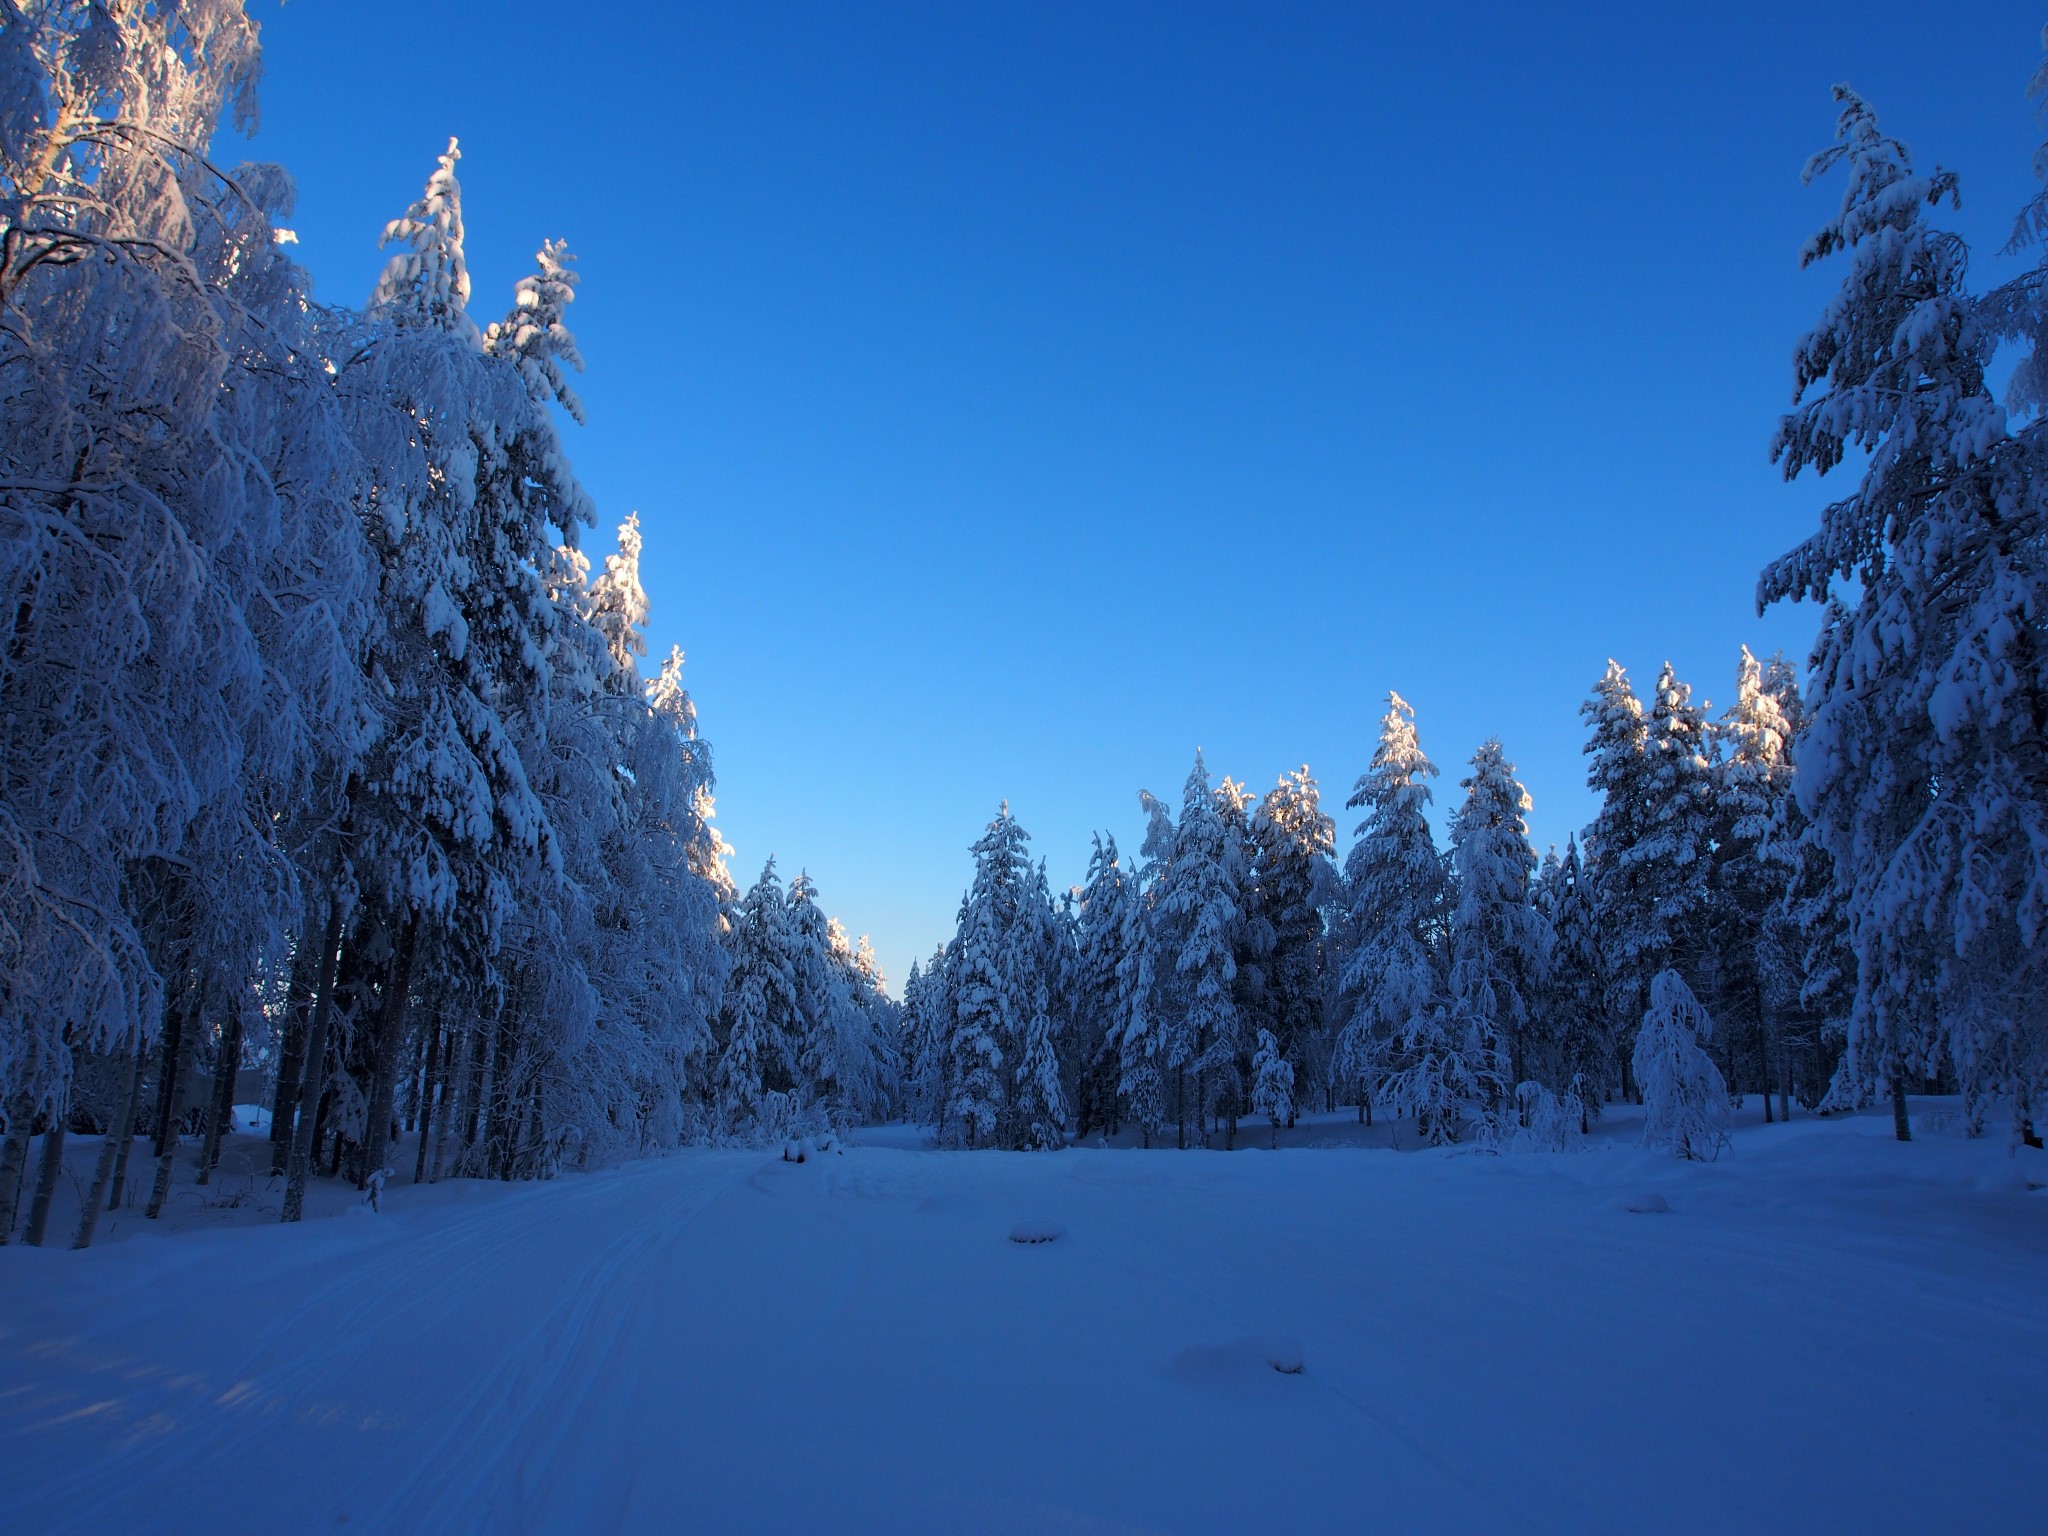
[1017, 397]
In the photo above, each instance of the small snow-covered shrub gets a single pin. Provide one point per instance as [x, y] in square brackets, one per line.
[1685, 1099]
[1548, 1123]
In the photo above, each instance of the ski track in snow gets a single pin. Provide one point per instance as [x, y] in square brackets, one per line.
[1825, 1331]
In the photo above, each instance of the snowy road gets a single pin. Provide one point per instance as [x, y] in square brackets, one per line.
[1827, 1331]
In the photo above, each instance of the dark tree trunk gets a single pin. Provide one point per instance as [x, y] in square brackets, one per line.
[14, 1150]
[113, 1153]
[425, 1118]
[454, 1079]
[221, 1115]
[47, 1174]
[473, 1106]
[1901, 1126]
[115, 1194]
[498, 1128]
[308, 1104]
[168, 1084]
[176, 1065]
[384, 1058]
[291, 1056]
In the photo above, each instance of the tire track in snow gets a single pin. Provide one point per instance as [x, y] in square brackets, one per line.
[531, 1403]
[379, 1295]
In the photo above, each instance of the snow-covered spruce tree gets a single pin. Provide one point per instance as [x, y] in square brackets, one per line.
[622, 772]
[759, 1025]
[842, 1067]
[1625, 909]
[1392, 985]
[927, 1033]
[1140, 1040]
[1577, 1033]
[1147, 986]
[1922, 767]
[1251, 948]
[1809, 967]
[1199, 908]
[1673, 855]
[440, 807]
[1649, 845]
[1272, 1083]
[993, 991]
[1101, 923]
[1685, 1098]
[1294, 880]
[1499, 941]
[1752, 778]
[878, 1090]
[1041, 1109]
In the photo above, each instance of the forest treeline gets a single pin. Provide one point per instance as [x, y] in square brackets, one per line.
[1834, 893]
[325, 749]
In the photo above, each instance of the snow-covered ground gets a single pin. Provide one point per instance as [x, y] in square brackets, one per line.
[1826, 1331]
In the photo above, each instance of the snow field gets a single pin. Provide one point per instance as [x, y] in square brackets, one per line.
[1826, 1330]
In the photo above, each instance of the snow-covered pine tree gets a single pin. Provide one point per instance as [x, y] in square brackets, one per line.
[928, 1016]
[992, 1011]
[1578, 1032]
[1753, 776]
[828, 1050]
[1200, 907]
[1921, 766]
[1672, 857]
[1098, 1019]
[1619, 773]
[1294, 881]
[1685, 1098]
[1272, 1083]
[1393, 987]
[1499, 942]
[1041, 1108]
[1251, 947]
[759, 1024]
[1141, 1072]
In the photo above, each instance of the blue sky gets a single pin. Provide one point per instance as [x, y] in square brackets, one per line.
[1019, 397]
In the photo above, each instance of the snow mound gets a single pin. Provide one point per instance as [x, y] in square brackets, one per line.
[1037, 1232]
[1649, 1204]
[801, 1149]
[1237, 1364]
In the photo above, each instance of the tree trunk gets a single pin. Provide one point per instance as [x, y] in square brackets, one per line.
[128, 1134]
[291, 1056]
[384, 1065]
[479, 1087]
[221, 1113]
[14, 1150]
[308, 1104]
[425, 1118]
[455, 1078]
[176, 1066]
[1901, 1126]
[499, 1129]
[168, 1084]
[113, 1151]
[1180, 1106]
[46, 1181]
[51, 1170]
